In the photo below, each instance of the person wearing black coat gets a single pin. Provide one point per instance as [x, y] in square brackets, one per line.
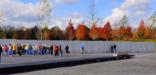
[114, 48]
[67, 49]
[0, 52]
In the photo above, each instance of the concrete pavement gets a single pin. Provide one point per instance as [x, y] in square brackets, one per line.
[143, 64]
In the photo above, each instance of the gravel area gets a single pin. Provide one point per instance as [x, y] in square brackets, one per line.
[143, 64]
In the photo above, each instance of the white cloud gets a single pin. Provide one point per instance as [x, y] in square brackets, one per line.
[131, 3]
[56, 22]
[130, 8]
[62, 22]
[117, 14]
[17, 13]
[76, 18]
[20, 14]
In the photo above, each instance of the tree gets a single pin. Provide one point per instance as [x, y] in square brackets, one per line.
[141, 30]
[152, 22]
[1, 33]
[82, 32]
[148, 34]
[92, 12]
[46, 33]
[1, 23]
[93, 33]
[122, 32]
[13, 32]
[20, 34]
[15, 35]
[70, 32]
[101, 33]
[1, 18]
[115, 34]
[129, 33]
[9, 32]
[27, 34]
[108, 31]
[124, 21]
[44, 15]
[56, 34]
[35, 33]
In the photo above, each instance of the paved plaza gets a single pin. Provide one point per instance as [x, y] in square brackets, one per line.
[36, 58]
[143, 64]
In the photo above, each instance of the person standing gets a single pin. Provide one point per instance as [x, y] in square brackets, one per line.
[10, 50]
[31, 49]
[67, 49]
[56, 49]
[51, 49]
[60, 49]
[14, 49]
[0, 53]
[26, 49]
[4, 49]
[44, 50]
[114, 48]
[82, 48]
[35, 49]
[19, 50]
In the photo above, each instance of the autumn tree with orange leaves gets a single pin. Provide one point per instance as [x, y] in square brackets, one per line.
[141, 30]
[147, 33]
[70, 32]
[125, 33]
[93, 33]
[105, 33]
[108, 31]
[129, 33]
[101, 35]
[122, 32]
[82, 32]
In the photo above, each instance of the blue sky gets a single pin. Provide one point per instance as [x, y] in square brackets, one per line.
[78, 10]
[103, 7]
[29, 1]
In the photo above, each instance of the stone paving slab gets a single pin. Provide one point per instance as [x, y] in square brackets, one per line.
[18, 64]
[143, 64]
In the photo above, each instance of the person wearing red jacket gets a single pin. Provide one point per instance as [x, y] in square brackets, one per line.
[56, 50]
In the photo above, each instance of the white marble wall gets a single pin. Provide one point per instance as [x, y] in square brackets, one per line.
[92, 46]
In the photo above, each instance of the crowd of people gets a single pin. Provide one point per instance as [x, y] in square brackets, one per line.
[29, 49]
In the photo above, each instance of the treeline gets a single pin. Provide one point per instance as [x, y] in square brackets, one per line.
[82, 32]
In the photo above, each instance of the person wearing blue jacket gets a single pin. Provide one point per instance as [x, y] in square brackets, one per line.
[82, 48]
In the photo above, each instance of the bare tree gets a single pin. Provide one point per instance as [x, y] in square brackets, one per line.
[123, 21]
[152, 22]
[92, 13]
[1, 18]
[43, 19]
